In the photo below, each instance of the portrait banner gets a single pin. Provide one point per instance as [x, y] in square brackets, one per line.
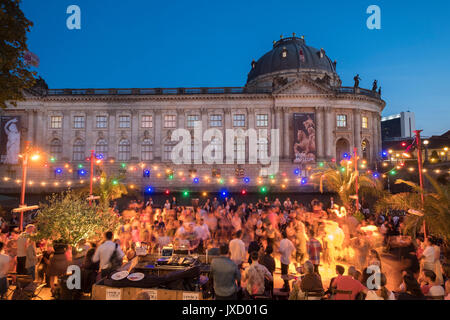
[9, 139]
[304, 138]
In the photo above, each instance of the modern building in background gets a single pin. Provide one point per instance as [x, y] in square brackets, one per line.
[293, 88]
[398, 126]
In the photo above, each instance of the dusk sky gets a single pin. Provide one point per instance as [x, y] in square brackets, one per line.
[145, 44]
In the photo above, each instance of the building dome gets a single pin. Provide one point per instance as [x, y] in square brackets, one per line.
[291, 54]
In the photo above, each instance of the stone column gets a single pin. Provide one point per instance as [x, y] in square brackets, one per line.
[380, 145]
[330, 149]
[158, 141]
[90, 137]
[227, 125]
[320, 124]
[180, 118]
[357, 130]
[30, 126]
[67, 132]
[204, 118]
[286, 133]
[250, 125]
[251, 118]
[279, 126]
[375, 137]
[112, 140]
[135, 135]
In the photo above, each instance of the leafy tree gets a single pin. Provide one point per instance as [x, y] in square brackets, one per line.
[68, 217]
[14, 73]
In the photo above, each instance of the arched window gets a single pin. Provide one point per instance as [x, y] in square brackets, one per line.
[239, 148]
[365, 149]
[263, 149]
[124, 150]
[78, 150]
[168, 146]
[55, 148]
[195, 150]
[147, 150]
[102, 148]
[217, 145]
[342, 146]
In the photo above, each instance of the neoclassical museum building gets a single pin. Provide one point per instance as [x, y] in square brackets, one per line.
[293, 88]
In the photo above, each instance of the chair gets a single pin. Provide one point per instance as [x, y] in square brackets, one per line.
[314, 294]
[280, 295]
[346, 292]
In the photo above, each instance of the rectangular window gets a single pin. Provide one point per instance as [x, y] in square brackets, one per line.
[192, 119]
[101, 121]
[78, 122]
[365, 122]
[124, 122]
[239, 120]
[341, 121]
[147, 122]
[262, 120]
[170, 121]
[215, 120]
[56, 122]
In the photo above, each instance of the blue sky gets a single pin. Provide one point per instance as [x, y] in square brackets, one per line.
[145, 43]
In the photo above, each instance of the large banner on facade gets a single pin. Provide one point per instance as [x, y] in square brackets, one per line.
[304, 138]
[9, 139]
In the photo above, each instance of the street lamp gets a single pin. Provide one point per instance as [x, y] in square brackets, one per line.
[34, 157]
[426, 143]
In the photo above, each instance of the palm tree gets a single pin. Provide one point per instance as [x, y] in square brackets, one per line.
[435, 211]
[342, 180]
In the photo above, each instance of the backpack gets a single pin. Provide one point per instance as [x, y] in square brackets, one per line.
[114, 261]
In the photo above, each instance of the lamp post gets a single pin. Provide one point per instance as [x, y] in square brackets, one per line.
[419, 161]
[355, 151]
[91, 175]
[425, 143]
[22, 206]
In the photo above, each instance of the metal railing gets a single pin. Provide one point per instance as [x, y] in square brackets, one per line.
[157, 91]
[189, 91]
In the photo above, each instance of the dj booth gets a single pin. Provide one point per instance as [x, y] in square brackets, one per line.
[178, 276]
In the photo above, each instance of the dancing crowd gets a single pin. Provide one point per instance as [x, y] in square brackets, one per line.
[246, 243]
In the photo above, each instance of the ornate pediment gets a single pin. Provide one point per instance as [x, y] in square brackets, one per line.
[303, 86]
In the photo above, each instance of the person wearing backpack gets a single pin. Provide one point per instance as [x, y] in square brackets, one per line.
[109, 254]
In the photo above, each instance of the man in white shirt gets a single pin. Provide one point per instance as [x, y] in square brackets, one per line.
[286, 250]
[203, 233]
[428, 256]
[4, 267]
[237, 249]
[104, 253]
[22, 244]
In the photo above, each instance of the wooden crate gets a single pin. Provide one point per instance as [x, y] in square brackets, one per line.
[100, 292]
[189, 295]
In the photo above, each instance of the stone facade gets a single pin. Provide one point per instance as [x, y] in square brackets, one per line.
[135, 129]
[132, 128]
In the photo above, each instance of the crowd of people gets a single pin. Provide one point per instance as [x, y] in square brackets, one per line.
[246, 243]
